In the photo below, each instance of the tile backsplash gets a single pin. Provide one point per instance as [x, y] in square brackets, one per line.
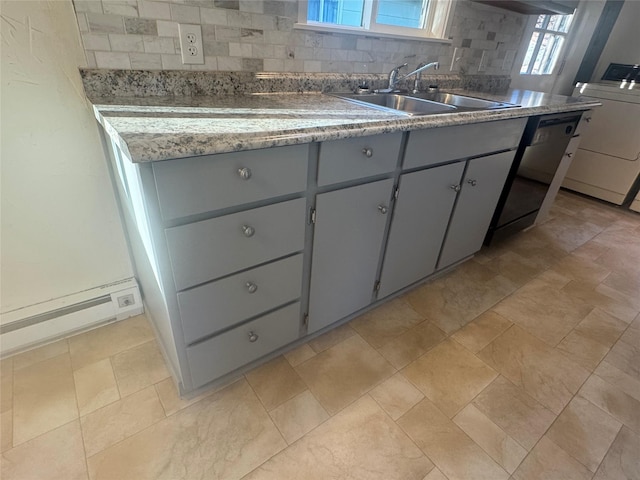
[259, 35]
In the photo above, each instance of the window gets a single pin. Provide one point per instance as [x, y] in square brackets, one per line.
[549, 34]
[416, 18]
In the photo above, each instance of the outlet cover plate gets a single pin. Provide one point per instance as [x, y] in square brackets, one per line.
[191, 46]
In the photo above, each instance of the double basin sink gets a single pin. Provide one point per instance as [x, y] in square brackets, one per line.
[424, 103]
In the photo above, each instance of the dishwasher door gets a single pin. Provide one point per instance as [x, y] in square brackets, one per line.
[543, 145]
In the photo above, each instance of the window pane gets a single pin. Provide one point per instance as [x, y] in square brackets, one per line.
[540, 21]
[530, 49]
[340, 12]
[403, 13]
[548, 54]
[560, 23]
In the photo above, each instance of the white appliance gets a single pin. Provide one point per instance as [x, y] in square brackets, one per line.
[607, 162]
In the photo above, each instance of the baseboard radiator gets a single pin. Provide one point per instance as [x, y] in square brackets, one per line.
[29, 327]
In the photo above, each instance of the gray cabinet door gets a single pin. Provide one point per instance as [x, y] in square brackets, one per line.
[346, 249]
[481, 188]
[419, 223]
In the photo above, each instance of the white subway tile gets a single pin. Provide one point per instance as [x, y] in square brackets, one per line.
[146, 61]
[168, 29]
[185, 13]
[154, 10]
[119, 60]
[126, 43]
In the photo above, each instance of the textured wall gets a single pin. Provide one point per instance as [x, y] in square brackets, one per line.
[257, 35]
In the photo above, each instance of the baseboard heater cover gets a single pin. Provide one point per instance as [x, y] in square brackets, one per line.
[36, 325]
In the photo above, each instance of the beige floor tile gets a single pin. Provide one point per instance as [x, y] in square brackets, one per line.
[612, 400]
[622, 462]
[518, 414]
[36, 355]
[95, 386]
[515, 267]
[360, 442]
[602, 297]
[576, 267]
[6, 430]
[44, 398]
[6, 366]
[331, 338]
[104, 342]
[117, 421]
[627, 282]
[343, 373]
[6, 392]
[457, 298]
[435, 474]
[139, 367]
[298, 416]
[583, 350]
[632, 335]
[224, 436]
[549, 462]
[386, 322]
[626, 357]
[299, 354]
[618, 378]
[553, 279]
[590, 250]
[481, 331]
[396, 395]
[275, 382]
[492, 439]
[56, 455]
[585, 432]
[601, 327]
[401, 351]
[570, 232]
[541, 371]
[453, 452]
[171, 400]
[543, 311]
[538, 247]
[450, 376]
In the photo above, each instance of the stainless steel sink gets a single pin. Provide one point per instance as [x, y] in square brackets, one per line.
[403, 103]
[423, 103]
[462, 101]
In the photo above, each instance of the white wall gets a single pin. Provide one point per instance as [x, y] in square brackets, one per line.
[60, 229]
[623, 45]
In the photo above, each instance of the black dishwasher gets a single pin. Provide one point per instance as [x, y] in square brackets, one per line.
[540, 152]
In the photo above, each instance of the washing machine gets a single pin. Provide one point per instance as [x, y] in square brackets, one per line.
[607, 162]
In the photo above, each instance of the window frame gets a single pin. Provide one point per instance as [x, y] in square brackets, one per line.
[541, 31]
[371, 28]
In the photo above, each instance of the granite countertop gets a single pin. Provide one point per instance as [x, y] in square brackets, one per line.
[160, 128]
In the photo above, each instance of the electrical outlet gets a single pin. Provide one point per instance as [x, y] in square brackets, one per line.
[126, 300]
[191, 44]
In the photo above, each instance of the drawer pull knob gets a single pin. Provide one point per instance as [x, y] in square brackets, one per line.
[368, 152]
[455, 188]
[253, 336]
[248, 230]
[245, 173]
[569, 154]
[383, 209]
[252, 287]
[473, 183]
[587, 119]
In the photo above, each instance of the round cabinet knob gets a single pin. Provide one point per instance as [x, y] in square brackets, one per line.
[253, 336]
[367, 152]
[473, 183]
[569, 154]
[251, 287]
[588, 119]
[455, 188]
[245, 173]
[248, 230]
[383, 209]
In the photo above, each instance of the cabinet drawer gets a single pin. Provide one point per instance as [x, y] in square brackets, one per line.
[354, 158]
[231, 350]
[210, 249]
[211, 182]
[218, 305]
[437, 145]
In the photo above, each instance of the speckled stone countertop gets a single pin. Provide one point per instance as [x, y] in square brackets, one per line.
[165, 127]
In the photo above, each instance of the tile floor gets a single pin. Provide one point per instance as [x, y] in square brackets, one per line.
[523, 363]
